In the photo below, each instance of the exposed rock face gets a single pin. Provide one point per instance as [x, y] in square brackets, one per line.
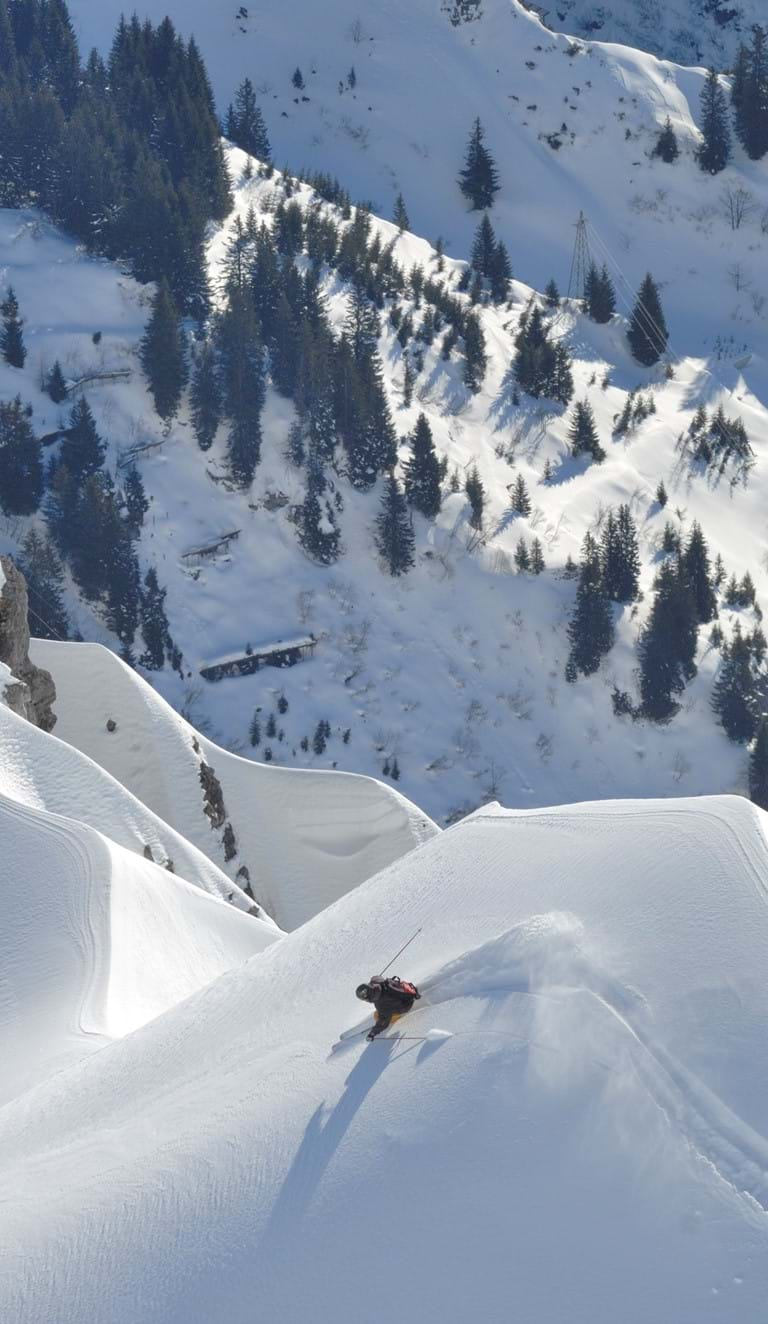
[33, 692]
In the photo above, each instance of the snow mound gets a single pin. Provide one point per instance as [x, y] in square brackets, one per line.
[94, 941]
[591, 1144]
[305, 837]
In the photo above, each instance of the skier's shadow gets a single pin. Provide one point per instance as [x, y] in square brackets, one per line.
[321, 1139]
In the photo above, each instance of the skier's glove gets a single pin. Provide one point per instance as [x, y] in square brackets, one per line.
[371, 1035]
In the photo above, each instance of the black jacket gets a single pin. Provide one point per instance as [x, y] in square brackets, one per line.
[392, 1000]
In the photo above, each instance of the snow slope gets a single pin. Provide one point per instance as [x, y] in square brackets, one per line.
[43, 772]
[305, 837]
[95, 941]
[587, 1142]
[706, 32]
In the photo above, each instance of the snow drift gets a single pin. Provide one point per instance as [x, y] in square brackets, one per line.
[585, 1141]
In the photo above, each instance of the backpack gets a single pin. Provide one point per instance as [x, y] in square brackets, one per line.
[405, 986]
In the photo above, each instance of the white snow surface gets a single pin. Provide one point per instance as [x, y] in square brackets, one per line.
[706, 32]
[95, 941]
[589, 1144]
[306, 837]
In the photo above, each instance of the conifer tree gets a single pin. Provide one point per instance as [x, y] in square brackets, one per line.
[521, 501]
[714, 152]
[476, 497]
[537, 557]
[242, 371]
[522, 557]
[552, 294]
[483, 247]
[319, 533]
[750, 97]
[661, 495]
[667, 645]
[541, 367]
[44, 574]
[245, 123]
[254, 730]
[394, 532]
[583, 432]
[733, 695]
[647, 332]
[475, 357]
[620, 557]
[400, 214]
[12, 345]
[591, 631]
[695, 561]
[136, 504]
[154, 623]
[298, 79]
[82, 450]
[56, 385]
[500, 274]
[479, 180]
[21, 466]
[758, 767]
[422, 471]
[600, 294]
[162, 354]
[666, 144]
[205, 398]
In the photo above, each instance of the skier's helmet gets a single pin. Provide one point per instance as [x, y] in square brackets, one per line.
[363, 992]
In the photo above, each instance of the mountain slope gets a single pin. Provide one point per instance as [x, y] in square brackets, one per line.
[590, 1143]
[706, 32]
[305, 837]
[96, 941]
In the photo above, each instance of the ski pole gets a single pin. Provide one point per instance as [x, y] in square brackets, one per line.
[402, 949]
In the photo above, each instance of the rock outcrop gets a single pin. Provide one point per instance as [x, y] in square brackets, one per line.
[31, 692]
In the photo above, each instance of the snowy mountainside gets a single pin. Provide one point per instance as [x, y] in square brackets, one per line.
[704, 32]
[95, 941]
[588, 1139]
[570, 125]
[304, 837]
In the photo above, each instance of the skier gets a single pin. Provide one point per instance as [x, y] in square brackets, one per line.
[392, 998]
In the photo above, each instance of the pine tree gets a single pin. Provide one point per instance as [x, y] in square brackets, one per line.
[162, 354]
[583, 432]
[620, 557]
[400, 215]
[661, 495]
[136, 504]
[714, 152]
[12, 345]
[475, 357]
[522, 557]
[521, 501]
[552, 294]
[697, 569]
[483, 247]
[409, 380]
[758, 767]
[44, 574]
[21, 465]
[500, 274]
[479, 179]
[591, 631]
[298, 79]
[647, 332]
[541, 367]
[394, 532]
[750, 97]
[254, 730]
[245, 123]
[154, 623]
[56, 385]
[242, 371]
[666, 144]
[733, 695]
[600, 294]
[537, 557]
[319, 533]
[82, 450]
[422, 471]
[205, 398]
[667, 645]
[476, 497]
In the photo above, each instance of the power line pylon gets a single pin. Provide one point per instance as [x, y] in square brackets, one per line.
[581, 261]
